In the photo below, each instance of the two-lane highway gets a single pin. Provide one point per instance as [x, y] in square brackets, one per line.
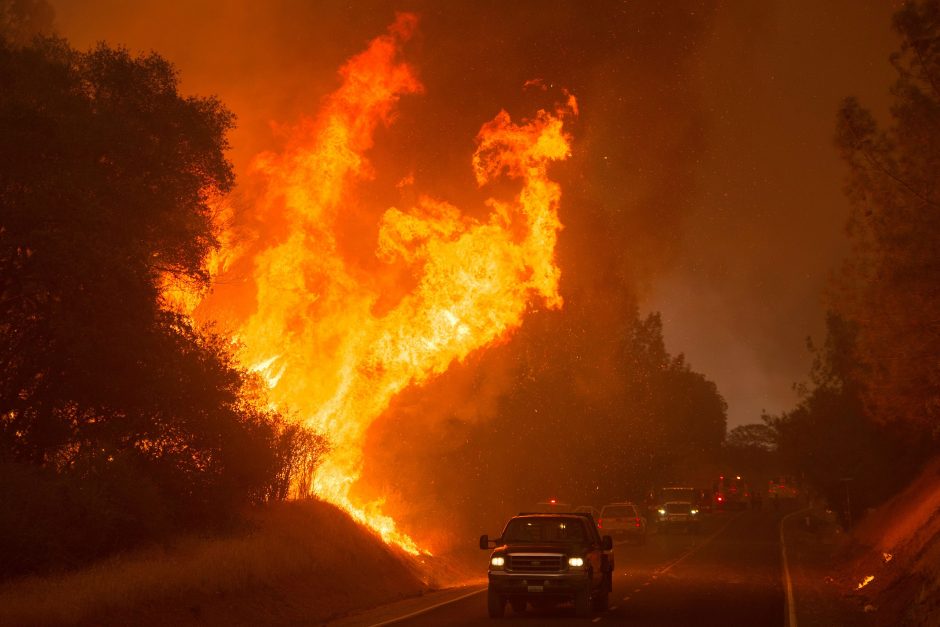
[726, 575]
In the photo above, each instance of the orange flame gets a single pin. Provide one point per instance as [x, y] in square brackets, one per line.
[314, 335]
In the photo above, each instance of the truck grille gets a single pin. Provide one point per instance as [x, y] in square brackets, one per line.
[536, 563]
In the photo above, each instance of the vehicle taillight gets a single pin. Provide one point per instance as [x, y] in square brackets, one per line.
[720, 499]
[638, 521]
[599, 521]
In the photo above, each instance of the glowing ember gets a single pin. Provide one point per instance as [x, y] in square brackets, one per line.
[314, 334]
[867, 580]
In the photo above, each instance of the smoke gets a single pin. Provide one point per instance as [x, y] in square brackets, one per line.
[766, 228]
[451, 449]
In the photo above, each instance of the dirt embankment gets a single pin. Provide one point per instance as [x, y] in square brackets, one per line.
[886, 572]
[301, 563]
[898, 545]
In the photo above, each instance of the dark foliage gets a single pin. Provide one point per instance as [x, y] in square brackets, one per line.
[828, 439]
[676, 416]
[574, 427]
[890, 286]
[119, 422]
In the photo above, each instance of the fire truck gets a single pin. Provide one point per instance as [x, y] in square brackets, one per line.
[732, 492]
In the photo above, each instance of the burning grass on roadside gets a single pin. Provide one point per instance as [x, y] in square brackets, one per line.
[299, 562]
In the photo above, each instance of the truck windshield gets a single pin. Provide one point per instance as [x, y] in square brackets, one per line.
[544, 530]
[678, 494]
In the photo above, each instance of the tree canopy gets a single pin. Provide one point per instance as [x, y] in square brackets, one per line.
[114, 409]
[890, 285]
[829, 440]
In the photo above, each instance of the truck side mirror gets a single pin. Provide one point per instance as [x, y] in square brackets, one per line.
[607, 543]
[484, 541]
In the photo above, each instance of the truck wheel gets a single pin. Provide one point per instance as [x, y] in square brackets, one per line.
[518, 605]
[496, 605]
[582, 602]
[599, 602]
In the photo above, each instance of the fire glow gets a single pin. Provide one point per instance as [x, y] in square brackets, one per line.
[314, 334]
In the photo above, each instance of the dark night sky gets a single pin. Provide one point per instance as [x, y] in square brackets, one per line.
[713, 123]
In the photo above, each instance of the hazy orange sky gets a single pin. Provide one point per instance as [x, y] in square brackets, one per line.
[720, 199]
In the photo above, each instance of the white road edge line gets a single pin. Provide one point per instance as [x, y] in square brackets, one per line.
[789, 602]
[698, 547]
[392, 621]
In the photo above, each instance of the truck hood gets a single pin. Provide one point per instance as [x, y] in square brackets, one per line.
[558, 548]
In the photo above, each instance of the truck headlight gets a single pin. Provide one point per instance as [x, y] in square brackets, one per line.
[662, 512]
[576, 562]
[497, 562]
[694, 512]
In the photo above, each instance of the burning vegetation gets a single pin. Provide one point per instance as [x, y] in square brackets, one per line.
[315, 332]
[177, 346]
[195, 347]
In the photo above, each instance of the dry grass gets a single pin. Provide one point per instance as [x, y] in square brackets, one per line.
[898, 521]
[900, 544]
[305, 562]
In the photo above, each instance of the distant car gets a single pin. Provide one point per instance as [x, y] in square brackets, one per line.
[587, 509]
[623, 520]
[681, 514]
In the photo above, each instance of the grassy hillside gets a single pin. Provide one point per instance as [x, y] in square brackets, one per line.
[900, 548]
[299, 562]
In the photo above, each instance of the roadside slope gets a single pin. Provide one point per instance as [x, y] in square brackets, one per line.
[886, 572]
[303, 562]
[900, 549]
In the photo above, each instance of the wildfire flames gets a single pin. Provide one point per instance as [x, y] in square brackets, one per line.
[314, 332]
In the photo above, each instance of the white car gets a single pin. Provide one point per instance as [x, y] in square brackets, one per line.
[623, 520]
[672, 514]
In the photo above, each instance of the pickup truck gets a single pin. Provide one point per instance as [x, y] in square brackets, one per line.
[544, 559]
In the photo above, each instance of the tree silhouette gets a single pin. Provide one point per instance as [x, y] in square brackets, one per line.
[829, 440]
[889, 286]
[115, 411]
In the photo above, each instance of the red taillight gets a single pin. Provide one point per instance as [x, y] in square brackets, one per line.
[599, 521]
[638, 522]
[720, 499]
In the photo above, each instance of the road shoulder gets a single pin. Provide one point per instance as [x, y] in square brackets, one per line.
[816, 549]
[413, 606]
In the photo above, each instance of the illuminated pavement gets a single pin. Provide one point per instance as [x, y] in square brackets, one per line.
[728, 574]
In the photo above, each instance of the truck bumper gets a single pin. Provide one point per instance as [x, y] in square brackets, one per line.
[536, 585]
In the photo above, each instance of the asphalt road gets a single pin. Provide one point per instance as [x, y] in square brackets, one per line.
[726, 575]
